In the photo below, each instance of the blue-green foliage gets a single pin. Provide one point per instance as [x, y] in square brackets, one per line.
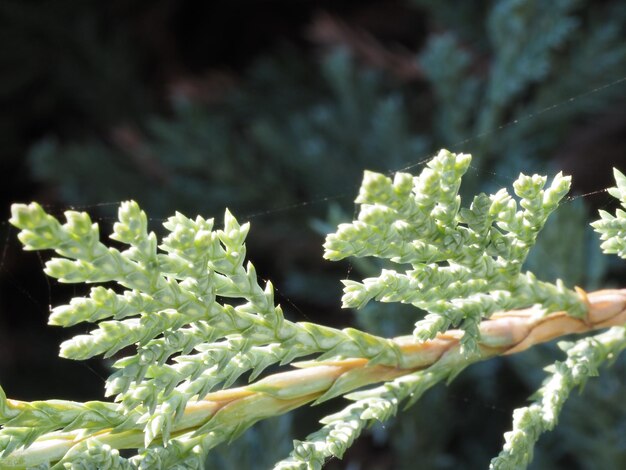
[541, 54]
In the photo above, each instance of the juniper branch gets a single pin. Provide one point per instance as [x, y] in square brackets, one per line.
[199, 319]
[224, 413]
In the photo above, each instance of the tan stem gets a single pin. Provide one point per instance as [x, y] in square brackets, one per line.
[504, 333]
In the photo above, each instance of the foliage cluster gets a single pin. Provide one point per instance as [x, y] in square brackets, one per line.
[195, 319]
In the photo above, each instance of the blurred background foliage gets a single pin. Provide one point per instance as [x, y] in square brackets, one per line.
[274, 108]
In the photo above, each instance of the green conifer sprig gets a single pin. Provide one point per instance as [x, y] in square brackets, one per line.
[187, 342]
[583, 361]
[465, 263]
[376, 404]
[612, 228]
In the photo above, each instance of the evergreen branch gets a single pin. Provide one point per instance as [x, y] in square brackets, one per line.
[221, 416]
[171, 307]
[199, 319]
[382, 402]
[188, 316]
[342, 428]
[583, 361]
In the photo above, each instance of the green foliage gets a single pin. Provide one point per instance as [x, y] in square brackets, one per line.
[612, 229]
[583, 360]
[465, 263]
[169, 306]
[342, 428]
[188, 316]
[473, 55]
